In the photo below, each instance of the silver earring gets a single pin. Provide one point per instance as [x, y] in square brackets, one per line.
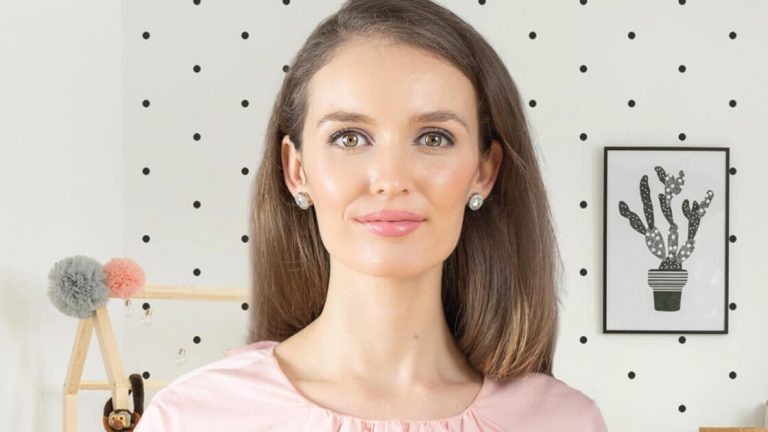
[302, 200]
[475, 201]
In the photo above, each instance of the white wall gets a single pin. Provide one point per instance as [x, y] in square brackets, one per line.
[74, 139]
[61, 187]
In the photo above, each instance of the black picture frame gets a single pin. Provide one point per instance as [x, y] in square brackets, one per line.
[665, 269]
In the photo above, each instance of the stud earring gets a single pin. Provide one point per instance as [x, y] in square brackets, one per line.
[475, 201]
[302, 200]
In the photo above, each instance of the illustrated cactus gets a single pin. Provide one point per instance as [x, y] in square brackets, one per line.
[672, 258]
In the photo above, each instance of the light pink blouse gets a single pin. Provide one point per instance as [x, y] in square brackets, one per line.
[247, 391]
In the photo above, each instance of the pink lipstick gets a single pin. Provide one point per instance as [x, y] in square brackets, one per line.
[391, 223]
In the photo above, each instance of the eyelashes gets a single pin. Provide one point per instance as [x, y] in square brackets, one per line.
[448, 138]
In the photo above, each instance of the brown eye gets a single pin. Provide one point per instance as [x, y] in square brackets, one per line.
[352, 141]
[435, 142]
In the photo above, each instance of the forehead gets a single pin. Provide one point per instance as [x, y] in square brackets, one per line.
[389, 81]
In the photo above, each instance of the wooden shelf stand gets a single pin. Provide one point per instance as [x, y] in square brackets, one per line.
[117, 381]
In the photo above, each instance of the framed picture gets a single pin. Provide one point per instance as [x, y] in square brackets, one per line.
[665, 240]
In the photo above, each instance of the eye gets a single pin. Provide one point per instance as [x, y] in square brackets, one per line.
[351, 137]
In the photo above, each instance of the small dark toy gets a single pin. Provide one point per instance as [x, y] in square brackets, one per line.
[122, 419]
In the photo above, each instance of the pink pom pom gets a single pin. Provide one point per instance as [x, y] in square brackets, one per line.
[124, 277]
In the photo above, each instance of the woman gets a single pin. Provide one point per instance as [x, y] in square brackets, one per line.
[403, 252]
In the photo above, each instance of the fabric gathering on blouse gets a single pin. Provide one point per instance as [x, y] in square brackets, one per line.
[248, 391]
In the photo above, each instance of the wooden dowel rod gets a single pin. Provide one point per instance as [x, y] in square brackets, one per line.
[188, 292]
[104, 385]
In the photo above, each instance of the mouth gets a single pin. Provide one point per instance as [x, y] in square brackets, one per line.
[392, 228]
[391, 216]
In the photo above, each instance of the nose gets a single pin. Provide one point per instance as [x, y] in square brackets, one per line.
[391, 171]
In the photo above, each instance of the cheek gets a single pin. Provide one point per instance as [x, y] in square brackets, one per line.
[335, 182]
[446, 188]
[445, 184]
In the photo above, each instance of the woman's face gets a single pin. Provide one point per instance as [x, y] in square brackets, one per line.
[388, 159]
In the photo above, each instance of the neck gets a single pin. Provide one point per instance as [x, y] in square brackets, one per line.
[388, 333]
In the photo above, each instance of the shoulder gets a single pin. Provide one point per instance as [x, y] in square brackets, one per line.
[214, 391]
[544, 402]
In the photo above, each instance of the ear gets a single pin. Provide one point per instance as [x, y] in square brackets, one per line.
[488, 170]
[293, 172]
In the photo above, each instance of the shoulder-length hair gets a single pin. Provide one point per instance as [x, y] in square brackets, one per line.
[499, 285]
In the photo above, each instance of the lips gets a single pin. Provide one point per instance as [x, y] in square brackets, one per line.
[392, 223]
[392, 229]
[391, 216]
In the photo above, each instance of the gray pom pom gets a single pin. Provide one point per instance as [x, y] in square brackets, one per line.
[77, 286]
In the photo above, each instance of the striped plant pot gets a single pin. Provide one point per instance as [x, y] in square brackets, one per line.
[667, 286]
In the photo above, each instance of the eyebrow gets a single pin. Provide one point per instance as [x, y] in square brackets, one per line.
[432, 116]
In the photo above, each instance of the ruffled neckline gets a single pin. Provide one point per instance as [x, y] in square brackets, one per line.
[469, 411]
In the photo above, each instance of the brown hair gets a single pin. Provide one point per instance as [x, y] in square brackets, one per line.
[499, 285]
